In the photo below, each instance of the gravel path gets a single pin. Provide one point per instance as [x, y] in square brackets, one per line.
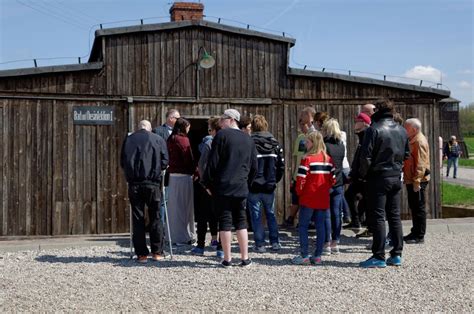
[437, 276]
[465, 176]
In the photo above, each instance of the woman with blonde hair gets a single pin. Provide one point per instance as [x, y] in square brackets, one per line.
[315, 179]
[336, 149]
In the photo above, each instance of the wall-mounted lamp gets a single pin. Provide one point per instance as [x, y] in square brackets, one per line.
[205, 61]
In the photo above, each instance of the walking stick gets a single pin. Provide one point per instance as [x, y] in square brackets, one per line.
[131, 232]
[165, 205]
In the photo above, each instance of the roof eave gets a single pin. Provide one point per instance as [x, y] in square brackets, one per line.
[366, 80]
[52, 69]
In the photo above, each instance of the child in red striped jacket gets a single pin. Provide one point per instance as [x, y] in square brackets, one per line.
[315, 179]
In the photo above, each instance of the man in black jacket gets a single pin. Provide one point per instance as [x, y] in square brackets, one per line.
[144, 155]
[165, 130]
[383, 151]
[271, 167]
[230, 170]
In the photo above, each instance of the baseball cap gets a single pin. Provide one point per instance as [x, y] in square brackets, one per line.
[362, 117]
[231, 113]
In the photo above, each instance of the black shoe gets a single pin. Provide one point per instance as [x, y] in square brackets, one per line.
[410, 239]
[364, 234]
[352, 226]
[346, 220]
[289, 222]
[245, 262]
[226, 264]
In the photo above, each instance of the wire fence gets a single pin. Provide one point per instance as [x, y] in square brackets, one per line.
[49, 61]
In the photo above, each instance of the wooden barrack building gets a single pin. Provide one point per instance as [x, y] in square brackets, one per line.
[60, 176]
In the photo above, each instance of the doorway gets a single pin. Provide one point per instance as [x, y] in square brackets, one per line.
[197, 132]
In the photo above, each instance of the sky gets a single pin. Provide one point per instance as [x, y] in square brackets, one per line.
[407, 40]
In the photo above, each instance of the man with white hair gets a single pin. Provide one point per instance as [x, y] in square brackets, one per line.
[144, 155]
[416, 175]
[230, 170]
[368, 109]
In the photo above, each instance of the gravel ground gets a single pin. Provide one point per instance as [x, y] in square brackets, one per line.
[436, 276]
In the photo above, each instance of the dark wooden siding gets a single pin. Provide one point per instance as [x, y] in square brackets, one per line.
[60, 178]
[162, 64]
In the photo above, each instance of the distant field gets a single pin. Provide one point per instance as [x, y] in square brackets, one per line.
[457, 195]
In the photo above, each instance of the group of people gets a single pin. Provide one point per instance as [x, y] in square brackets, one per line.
[240, 164]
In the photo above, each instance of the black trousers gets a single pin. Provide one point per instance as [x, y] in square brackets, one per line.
[355, 199]
[149, 195]
[204, 214]
[384, 202]
[416, 202]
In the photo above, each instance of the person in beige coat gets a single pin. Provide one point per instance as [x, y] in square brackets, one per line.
[416, 175]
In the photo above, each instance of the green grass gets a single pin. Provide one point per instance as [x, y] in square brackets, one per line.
[470, 144]
[468, 163]
[457, 195]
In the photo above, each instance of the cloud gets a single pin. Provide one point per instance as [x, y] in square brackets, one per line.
[426, 73]
[467, 71]
[464, 84]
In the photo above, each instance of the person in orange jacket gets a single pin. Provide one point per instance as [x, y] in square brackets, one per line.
[416, 175]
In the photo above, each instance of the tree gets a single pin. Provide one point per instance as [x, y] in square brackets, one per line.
[466, 120]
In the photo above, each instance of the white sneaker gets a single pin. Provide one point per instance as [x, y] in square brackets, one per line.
[326, 250]
[276, 246]
[259, 249]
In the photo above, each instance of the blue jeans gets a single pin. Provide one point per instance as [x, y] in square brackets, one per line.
[258, 202]
[336, 195]
[323, 229]
[453, 161]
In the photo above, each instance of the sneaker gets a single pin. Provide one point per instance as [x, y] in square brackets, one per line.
[312, 225]
[334, 249]
[394, 260]
[326, 250]
[197, 251]
[415, 241]
[412, 239]
[226, 264]
[300, 260]
[259, 249]
[142, 259]
[388, 244]
[364, 234]
[346, 220]
[220, 254]
[276, 246]
[354, 227]
[245, 262]
[157, 257]
[214, 244]
[316, 260]
[373, 263]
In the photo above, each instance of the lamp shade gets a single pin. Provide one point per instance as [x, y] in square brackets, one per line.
[207, 61]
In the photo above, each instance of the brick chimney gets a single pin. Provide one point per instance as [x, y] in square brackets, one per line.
[183, 11]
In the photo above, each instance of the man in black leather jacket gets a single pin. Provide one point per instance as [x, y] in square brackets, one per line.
[383, 151]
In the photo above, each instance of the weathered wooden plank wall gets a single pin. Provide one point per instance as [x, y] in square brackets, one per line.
[57, 177]
[61, 178]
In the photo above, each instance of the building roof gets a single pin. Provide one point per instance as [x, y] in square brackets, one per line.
[366, 80]
[52, 69]
[449, 100]
[95, 64]
[178, 25]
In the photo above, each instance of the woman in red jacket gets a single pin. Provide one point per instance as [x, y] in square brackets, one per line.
[313, 183]
[181, 195]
